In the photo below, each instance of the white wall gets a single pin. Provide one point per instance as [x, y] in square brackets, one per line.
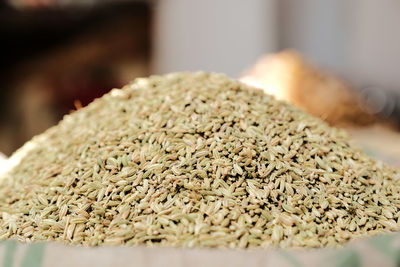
[375, 43]
[359, 39]
[213, 35]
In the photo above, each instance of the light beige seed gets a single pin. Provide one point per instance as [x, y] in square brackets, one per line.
[195, 159]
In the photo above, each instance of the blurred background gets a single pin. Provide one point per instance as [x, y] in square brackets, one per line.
[336, 59]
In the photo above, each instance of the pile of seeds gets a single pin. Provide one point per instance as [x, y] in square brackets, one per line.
[195, 159]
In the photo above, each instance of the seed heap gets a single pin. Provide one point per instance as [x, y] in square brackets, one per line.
[195, 159]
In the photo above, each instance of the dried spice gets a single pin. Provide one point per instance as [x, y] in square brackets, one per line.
[195, 159]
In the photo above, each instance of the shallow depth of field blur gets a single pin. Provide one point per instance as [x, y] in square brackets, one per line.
[339, 61]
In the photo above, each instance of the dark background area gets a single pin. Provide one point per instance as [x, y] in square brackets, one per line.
[55, 59]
